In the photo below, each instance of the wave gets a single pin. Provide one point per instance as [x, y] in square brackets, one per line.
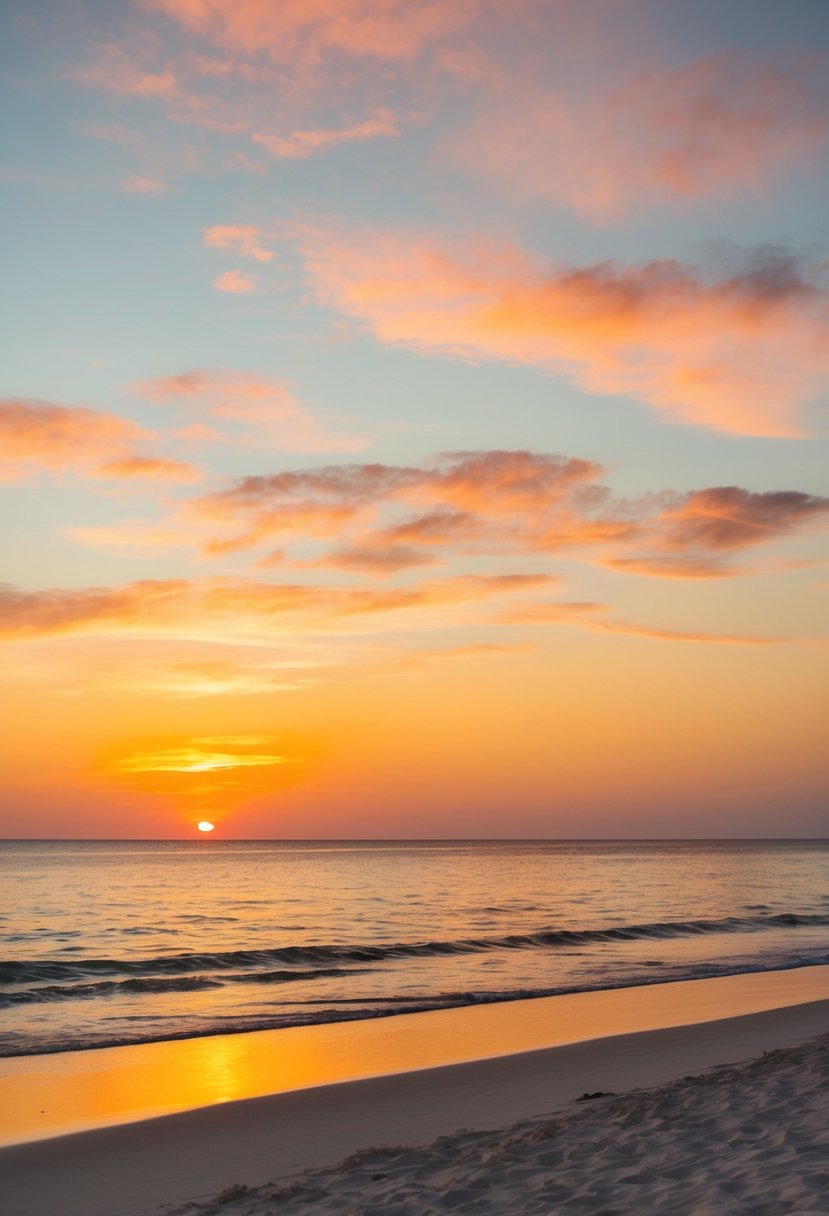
[217, 964]
[50, 993]
[351, 1009]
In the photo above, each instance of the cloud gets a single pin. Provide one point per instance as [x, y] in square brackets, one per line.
[679, 635]
[592, 617]
[212, 678]
[741, 349]
[299, 145]
[235, 282]
[298, 30]
[245, 239]
[135, 184]
[377, 560]
[38, 436]
[241, 611]
[199, 756]
[132, 70]
[116, 70]
[719, 127]
[144, 536]
[333, 500]
[695, 536]
[387, 518]
[156, 468]
[259, 409]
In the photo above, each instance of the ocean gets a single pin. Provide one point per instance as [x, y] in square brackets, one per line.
[115, 942]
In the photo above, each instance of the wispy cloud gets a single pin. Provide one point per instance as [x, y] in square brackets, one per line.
[40, 437]
[242, 611]
[134, 183]
[296, 30]
[200, 755]
[258, 409]
[299, 145]
[236, 282]
[594, 618]
[740, 349]
[722, 126]
[246, 239]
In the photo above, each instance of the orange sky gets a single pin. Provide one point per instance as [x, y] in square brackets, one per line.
[415, 419]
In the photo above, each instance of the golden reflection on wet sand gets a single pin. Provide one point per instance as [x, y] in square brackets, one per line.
[70, 1091]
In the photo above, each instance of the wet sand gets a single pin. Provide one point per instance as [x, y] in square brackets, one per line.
[195, 1155]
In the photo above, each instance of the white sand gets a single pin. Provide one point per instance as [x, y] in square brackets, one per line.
[747, 1141]
[752, 1139]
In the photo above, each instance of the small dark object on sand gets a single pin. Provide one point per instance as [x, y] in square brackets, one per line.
[598, 1094]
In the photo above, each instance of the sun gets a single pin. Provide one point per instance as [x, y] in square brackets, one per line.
[206, 826]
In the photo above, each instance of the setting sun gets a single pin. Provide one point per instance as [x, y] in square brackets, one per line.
[206, 826]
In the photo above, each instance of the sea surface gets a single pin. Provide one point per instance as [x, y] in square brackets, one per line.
[114, 942]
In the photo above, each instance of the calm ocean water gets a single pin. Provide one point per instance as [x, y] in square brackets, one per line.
[124, 942]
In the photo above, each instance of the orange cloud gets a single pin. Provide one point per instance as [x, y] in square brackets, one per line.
[715, 128]
[235, 282]
[591, 616]
[263, 410]
[39, 436]
[742, 350]
[200, 756]
[239, 611]
[212, 678]
[155, 467]
[144, 536]
[245, 239]
[299, 145]
[483, 503]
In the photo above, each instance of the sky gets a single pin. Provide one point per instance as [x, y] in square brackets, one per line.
[414, 418]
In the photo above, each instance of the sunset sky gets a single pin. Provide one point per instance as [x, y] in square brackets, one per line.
[413, 418]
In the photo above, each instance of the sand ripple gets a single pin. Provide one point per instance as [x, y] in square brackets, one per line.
[752, 1140]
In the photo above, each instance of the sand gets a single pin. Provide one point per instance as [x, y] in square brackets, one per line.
[53, 1095]
[751, 1139]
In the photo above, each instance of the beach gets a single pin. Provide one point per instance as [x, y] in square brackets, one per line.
[748, 1139]
[501, 1134]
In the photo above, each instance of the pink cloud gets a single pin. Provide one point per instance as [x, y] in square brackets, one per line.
[235, 282]
[259, 410]
[696, 535]
[741, 351]
[301, 144]
[309, 29]
[117, 70]
[135, 184]
[40, 436]
[719, 127]
[373, 559]
[245, 239]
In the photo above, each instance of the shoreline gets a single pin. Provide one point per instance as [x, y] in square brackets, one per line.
[479, 1000]
[132, 1168]
[64, 1093]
